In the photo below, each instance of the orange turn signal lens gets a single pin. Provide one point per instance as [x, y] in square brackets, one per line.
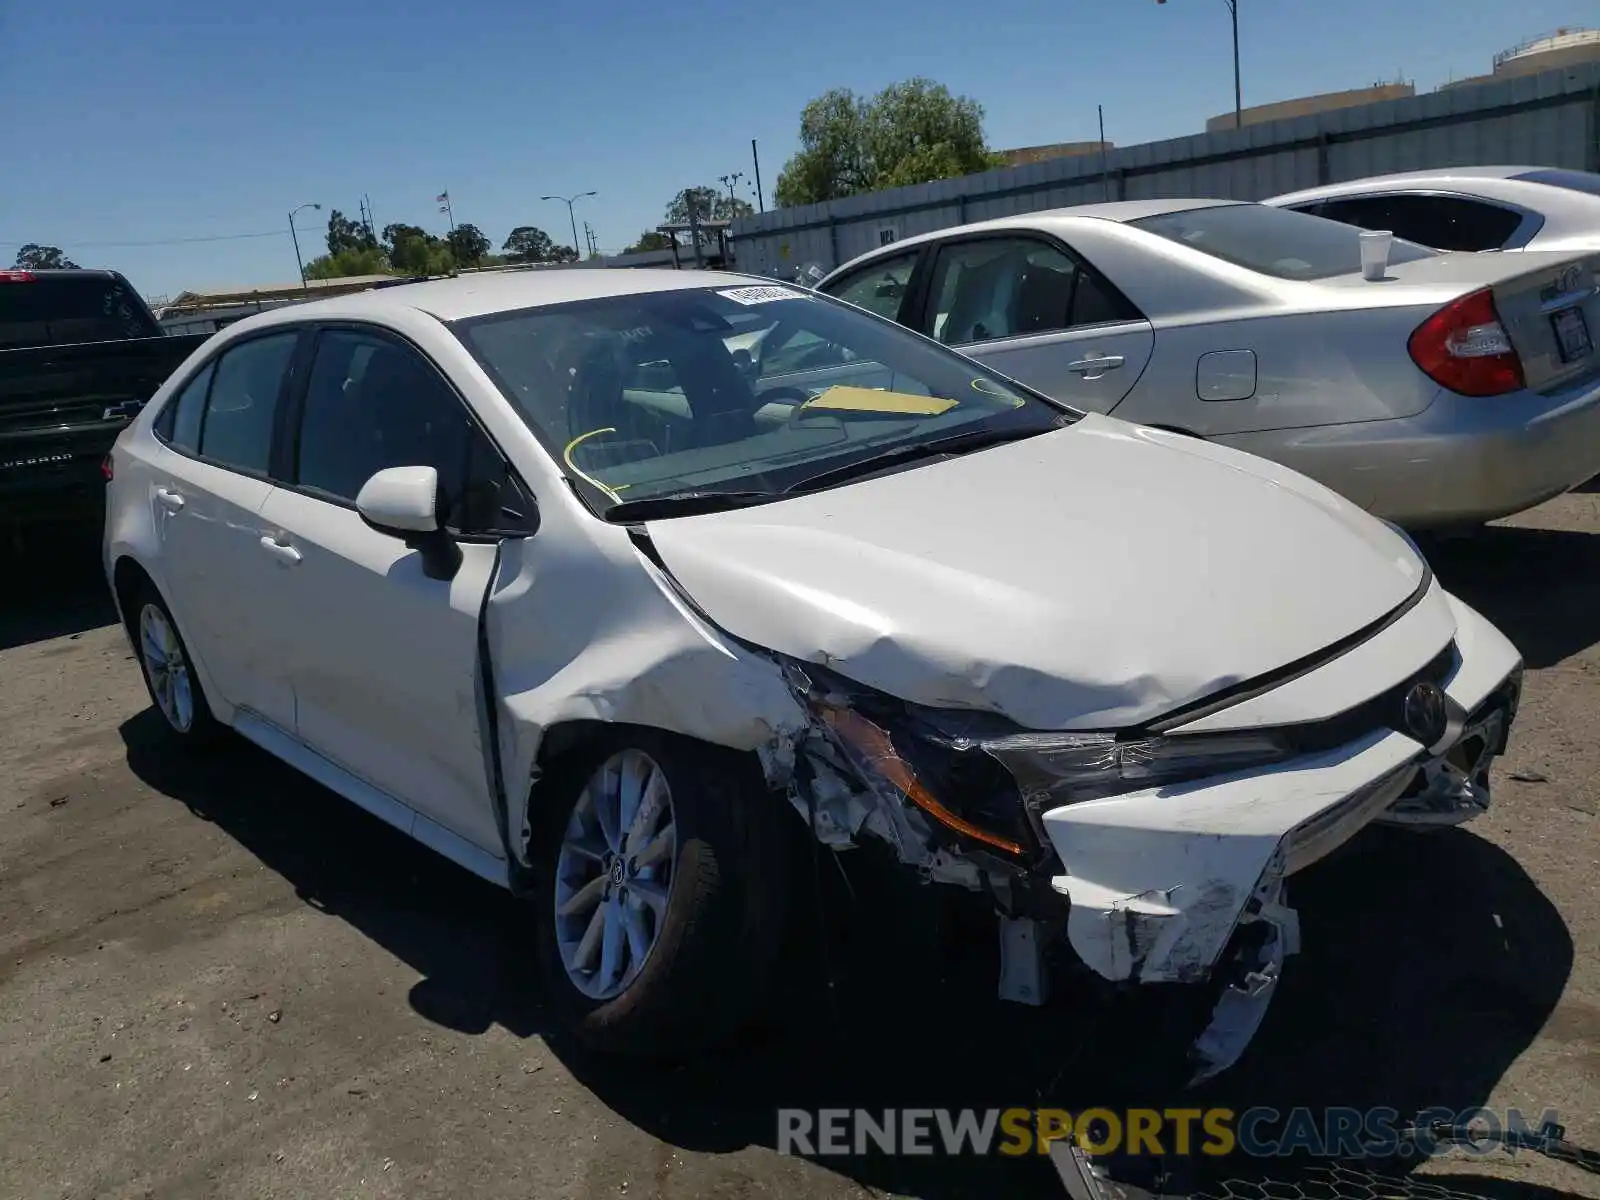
[877, 750]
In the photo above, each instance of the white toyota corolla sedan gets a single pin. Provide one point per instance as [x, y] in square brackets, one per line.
[606, 584]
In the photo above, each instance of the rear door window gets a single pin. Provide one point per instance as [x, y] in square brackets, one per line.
[58, 310]
[992, 288]
[1443, 222]
[236, 430]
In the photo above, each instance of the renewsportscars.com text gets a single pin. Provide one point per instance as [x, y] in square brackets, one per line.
[1259, 1132]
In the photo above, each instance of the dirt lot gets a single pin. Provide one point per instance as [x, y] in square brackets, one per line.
[217, 979]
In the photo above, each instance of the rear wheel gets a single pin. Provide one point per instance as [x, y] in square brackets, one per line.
[169, 671]
[661, 897]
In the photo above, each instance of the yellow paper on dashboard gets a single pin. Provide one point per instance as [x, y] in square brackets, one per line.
[871, 400]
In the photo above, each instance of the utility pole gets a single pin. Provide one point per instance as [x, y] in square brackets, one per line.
[366, 218]
[295, 237]
[443, 200]
[1105, 175]
[1238, 104]
[756, 158]
[588, 236]
[728, 181]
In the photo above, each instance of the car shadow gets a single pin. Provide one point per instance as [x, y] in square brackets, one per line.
[1430, 963]
[1541, 587]
[465, 937]
[52, 586]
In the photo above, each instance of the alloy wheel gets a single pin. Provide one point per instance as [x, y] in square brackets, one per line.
[167, 668]
[614, 874]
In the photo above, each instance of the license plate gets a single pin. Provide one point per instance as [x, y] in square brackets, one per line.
[1572, 335]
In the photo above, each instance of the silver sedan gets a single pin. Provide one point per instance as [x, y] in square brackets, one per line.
[1446, 390]
[1467, 208]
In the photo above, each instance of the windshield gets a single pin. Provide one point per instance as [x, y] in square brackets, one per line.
[750, 389]
[1572, 181]
[1273, 241]
[48, 310]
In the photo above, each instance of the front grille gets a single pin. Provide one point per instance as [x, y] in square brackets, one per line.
[1380, 712]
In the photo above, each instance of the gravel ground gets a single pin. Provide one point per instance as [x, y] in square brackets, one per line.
[218, 979]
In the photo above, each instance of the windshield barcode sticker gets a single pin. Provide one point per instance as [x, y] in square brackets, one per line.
[762, 294]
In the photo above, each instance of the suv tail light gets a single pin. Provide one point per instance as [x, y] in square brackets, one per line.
[1464, 347]
[106, 468]
[16, 276]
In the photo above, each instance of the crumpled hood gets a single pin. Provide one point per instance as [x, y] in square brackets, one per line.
[1093, 577]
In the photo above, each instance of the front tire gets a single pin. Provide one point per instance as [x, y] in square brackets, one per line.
[661, 897]
[169, 672]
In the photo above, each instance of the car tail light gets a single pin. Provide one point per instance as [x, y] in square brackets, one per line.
[1464, 347]
[16, 276]
[106, 468]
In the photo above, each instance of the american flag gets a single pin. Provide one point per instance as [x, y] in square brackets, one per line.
[443, 201]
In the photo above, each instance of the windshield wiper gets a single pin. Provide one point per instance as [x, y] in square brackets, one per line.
[955, 443]
[685, 504]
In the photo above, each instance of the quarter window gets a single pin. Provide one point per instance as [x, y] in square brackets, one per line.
[372, 403]
[880, 287]
[236, 430]
[179, 422]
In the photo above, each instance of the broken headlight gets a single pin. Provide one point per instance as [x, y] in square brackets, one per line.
[977, 776]
[921, 760]
[1053, 769]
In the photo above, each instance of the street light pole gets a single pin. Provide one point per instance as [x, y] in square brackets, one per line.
[1238, 106]
[569, 201]
[295, 237]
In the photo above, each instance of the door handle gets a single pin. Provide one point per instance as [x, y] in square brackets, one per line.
[287, 555]
[169, 499]
[1096, 364]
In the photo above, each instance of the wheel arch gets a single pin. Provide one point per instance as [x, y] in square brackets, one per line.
[128, 576]
[569, 740]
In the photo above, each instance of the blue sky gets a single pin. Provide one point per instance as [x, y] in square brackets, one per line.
[133, 123]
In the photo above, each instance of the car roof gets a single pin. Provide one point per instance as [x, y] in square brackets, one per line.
[68, 272]
[1120, 211]
[1403, 179]
[479, 295]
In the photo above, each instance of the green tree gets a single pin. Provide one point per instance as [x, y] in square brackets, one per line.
[364, 260]
[833, 160]
[467, 244]
[911, 132]
[345, 234]
[650, 239]
[34, 257]
[709, 205]
[412, 250]
[530, 244]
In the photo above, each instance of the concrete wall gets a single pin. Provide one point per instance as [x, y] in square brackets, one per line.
[1551, 119]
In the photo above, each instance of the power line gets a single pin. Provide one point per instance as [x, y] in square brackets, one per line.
[221, 237]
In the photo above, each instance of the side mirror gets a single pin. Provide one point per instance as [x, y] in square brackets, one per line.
[401, 500]
[404, 502]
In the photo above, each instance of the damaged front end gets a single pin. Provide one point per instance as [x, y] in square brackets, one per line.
[1162, 858]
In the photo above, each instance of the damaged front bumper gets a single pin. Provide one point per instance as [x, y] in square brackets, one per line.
[1179, 883]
